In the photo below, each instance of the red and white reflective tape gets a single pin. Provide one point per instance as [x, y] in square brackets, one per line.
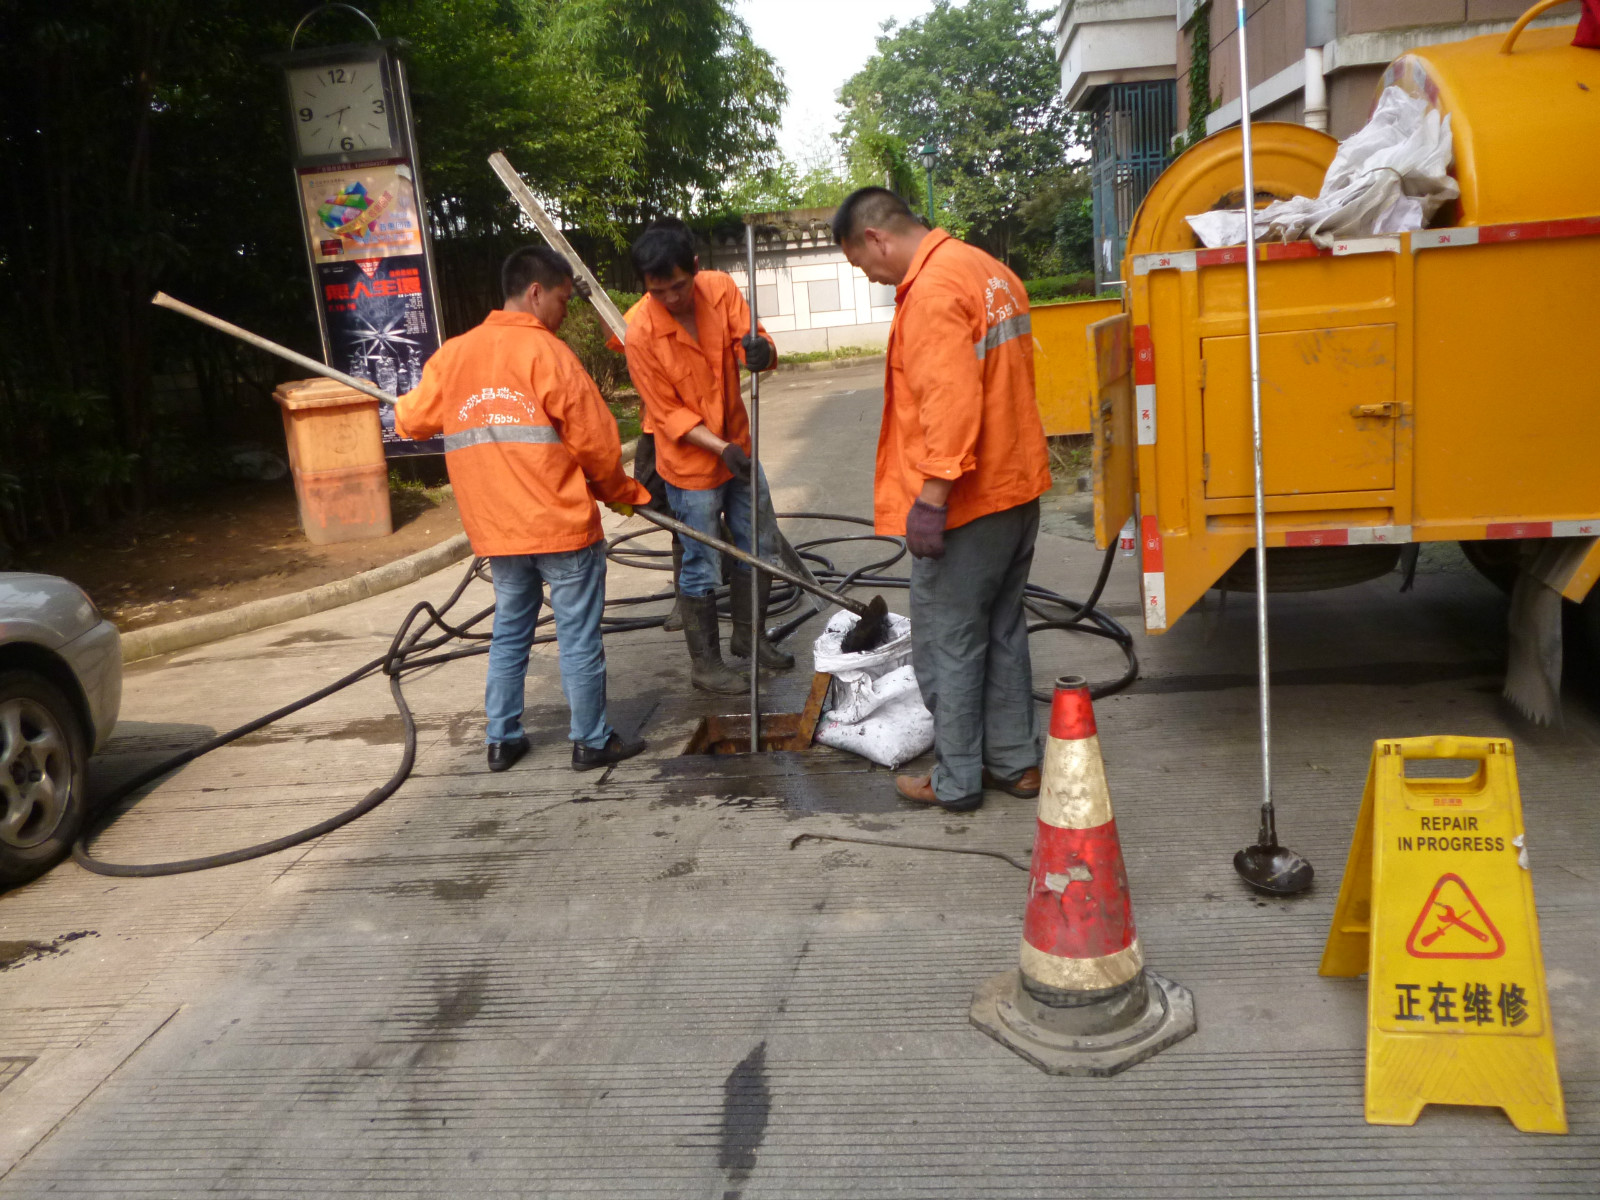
[1490, 235]
[1356, 535]
[1541, 529]
[1144, 384]
[1155, 574]
[1222, 256]
[1077, 931]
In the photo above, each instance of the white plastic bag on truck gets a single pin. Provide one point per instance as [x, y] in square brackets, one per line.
[874, 708]
[1387, 177]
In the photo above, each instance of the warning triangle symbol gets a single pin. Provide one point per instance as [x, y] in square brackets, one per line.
[1452, 924]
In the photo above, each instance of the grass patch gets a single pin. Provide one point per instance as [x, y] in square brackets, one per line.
[811, 356]
[627, 412]
[1053, 288]
[1070, 455]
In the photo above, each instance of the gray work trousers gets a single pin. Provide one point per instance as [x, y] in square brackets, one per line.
[969, 645]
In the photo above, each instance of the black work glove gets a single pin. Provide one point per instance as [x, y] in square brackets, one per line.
[925, 530]
[580, 285]
[738, 461]
[758, 352]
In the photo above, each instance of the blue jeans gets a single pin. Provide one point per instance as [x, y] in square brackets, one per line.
[702, 510]
[577, 580]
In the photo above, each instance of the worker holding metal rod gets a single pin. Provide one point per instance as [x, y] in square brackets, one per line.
[530, 445]
[961, 465]
[685, 343]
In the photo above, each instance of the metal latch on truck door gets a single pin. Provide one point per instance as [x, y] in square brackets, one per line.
[1387, 409]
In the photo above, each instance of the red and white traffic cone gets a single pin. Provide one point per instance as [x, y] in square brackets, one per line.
[1082, 1003]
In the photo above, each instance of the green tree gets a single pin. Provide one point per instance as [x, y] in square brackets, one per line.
[981, 81]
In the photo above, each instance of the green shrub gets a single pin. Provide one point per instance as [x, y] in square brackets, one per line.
[1060, 287]
[586, 333]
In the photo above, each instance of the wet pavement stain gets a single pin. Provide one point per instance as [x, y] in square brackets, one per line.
[17, 954]
[679, 869]
[478, 829]
[310, 636]
[458, 1001]
[746, 1106]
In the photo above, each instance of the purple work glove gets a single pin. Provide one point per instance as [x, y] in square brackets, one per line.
[738, 461]
[758, 355]
[925, 530]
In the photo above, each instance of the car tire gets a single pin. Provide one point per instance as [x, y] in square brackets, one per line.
[43, 775]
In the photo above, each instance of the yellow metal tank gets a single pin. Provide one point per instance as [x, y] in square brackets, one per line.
[1419, 387]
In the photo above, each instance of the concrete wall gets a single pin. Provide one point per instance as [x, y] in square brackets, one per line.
[810, 298]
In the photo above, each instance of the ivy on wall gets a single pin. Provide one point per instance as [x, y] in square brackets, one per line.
[1201, 102]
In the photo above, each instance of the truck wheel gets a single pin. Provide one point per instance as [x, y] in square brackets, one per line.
[1496, 561]
[1312, 568]
[43, 760]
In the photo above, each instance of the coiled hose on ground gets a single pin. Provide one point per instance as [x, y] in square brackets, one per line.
[426, 631]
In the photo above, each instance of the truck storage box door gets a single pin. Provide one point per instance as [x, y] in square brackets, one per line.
[1328, 412]
[1110, 361]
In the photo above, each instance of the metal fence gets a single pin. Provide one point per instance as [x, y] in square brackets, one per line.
[1131, 130]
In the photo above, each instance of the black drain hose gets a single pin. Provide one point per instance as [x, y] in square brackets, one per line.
[416, 646]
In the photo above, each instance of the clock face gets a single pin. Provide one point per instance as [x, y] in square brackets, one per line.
[340, 108]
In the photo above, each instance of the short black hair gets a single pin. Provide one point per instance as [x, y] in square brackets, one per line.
[870, 208]
[530, 265]
[662, 248]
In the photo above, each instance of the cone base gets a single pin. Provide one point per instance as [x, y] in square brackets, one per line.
[1006, 1013]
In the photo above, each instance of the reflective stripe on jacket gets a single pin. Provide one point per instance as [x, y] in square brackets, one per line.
[683, 384]
[528, 440]
[958, 389]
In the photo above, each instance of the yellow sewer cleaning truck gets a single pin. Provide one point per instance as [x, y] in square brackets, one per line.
[1428, 386]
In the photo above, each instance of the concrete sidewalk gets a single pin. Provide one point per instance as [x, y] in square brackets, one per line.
[545, 984]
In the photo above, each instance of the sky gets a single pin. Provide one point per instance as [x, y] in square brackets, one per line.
[819, 44]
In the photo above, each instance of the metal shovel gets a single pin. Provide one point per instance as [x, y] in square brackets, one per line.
[1265, 866]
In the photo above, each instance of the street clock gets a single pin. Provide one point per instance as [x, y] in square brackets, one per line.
[362, 212]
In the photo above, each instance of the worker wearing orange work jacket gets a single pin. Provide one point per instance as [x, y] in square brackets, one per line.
[961, 466]
[685, 343]
[529, 443]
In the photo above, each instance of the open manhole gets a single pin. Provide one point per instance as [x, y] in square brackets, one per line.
[779, 731]
[731, 734]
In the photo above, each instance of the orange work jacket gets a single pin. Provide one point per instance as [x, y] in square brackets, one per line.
[613, 342]
[683, 384]
[527, 439]
[958, 389]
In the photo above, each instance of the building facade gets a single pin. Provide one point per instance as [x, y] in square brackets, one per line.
[1332, 51]
[1152, 74]
[1119, 67]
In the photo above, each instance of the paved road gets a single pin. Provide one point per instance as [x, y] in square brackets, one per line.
[545, 984]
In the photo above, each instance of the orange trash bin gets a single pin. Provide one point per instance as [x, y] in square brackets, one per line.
[341, 478]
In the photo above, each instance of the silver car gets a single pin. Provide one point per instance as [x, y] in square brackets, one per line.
[60, 688]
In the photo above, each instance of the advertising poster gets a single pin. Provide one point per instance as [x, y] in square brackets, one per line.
[372, 279]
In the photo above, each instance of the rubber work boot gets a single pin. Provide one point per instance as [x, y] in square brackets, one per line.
[674, 621]
[709, 672]
[772, 659]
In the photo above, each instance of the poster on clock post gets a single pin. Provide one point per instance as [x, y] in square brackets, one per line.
[366, 241]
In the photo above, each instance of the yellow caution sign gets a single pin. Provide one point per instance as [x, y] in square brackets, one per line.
[1437, 907]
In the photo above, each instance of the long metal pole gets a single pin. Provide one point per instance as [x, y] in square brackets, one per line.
[1268, 831]
[755, 507]
[162, 300]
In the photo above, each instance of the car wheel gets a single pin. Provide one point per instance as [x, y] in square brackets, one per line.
[43, 757]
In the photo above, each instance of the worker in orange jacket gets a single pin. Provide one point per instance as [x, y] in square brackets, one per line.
[961, 465]
[529, 443]
[685, 343]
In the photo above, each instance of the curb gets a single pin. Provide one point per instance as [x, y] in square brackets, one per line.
[835, 364]
[274, 610]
